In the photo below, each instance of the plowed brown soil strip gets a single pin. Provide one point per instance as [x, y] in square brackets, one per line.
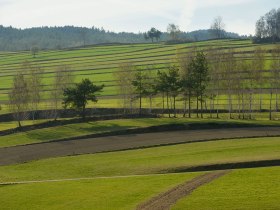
[25, 153]
[165, 200]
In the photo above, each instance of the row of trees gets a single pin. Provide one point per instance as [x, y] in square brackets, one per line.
[204, 79]
[13, 39]
[217, 30]
[27, 89]
[190, 80]
[26, 93]
[268, 26]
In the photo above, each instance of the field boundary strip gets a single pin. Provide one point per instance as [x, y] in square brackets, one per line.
[166, 199]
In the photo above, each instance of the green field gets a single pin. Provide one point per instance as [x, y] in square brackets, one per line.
[102, 188]
[99, 62]
[92, 127]
[124, 179]
[245, 189]
[101, 194]
[145, 161]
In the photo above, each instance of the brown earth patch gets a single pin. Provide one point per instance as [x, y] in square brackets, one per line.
[165, 200]
[25, 153]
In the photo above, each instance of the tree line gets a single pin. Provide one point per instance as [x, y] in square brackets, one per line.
[211, 81]
[27, 88]
[199, 80]
[268, 27]
[41, 38]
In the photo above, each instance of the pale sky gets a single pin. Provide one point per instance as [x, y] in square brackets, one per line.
[239, 16]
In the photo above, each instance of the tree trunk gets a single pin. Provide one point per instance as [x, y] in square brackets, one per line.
[167, 104]
[185, 107]
[217, 107]
[174, 105]
[239, 107]
[276, 101]
[84, 112]
[197, 106]
[201, 105]
[250, 115]
[270, 107]
[243, 106]
[189, 105]
[150, 104]
[261, 101]
[140, 105]
[19, 123]
[229, 106]
[163, 102]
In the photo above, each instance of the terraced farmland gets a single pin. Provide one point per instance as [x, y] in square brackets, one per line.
[98, 63]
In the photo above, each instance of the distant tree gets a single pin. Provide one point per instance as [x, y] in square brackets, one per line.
[213, 89]
[268, 27]
[228, 67]
[138, 83]
[258, 67]
[146, 36]
[149, 83]
[218, 27]
[152, 34]
[63, 78]
[35, 85]
[161, 87]
[199, 67]
[78, 96]
[274, 77]
[250, 85]
[169, 84]
[34, 51]
[173, 31]
[173, 84]
[186, 76]
[124, 75]
[19, 97]
[260, 28]
[83, 34]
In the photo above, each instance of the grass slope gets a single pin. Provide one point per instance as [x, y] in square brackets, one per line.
[79, 129]
[144, 161]
[101, 194]
[99, 62]
[248, 189]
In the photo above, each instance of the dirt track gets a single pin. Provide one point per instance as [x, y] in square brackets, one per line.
[165, 200]
[25, 153]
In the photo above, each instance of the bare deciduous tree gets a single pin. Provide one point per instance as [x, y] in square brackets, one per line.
[258, 64]
[19, 97]
[63, 78]
[184, 59]
[174, 31]
[218, 27]
[275, 77]
[124, 77]
[34, 85]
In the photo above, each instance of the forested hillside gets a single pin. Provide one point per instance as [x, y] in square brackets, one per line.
[12, 39]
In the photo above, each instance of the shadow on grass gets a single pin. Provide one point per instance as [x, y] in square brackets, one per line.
[68, 132]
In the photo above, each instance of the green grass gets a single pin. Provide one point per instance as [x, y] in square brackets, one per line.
[101, 194]
[145, 161]
[13, 124]
[80, 129]
[248, 189]
[87, 62]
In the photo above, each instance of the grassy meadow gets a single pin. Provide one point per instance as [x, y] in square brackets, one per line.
[101, 186]
[245, 189]
[145, 161]
[94, 127]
